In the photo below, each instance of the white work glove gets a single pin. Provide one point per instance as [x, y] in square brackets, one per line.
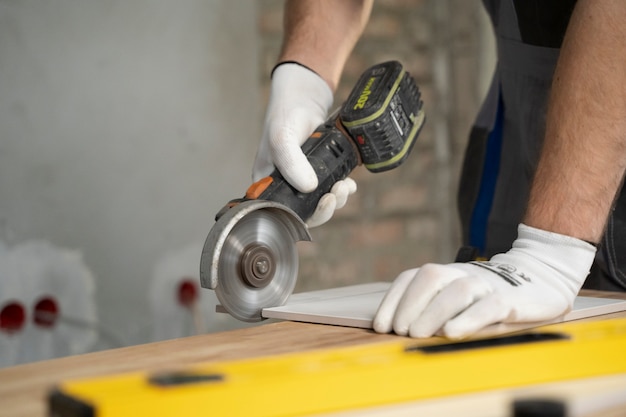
[299, 102]
[537, 280]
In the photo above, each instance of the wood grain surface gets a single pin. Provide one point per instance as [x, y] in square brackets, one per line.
[23, 388]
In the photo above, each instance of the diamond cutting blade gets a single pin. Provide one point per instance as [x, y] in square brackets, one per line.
[250, 257]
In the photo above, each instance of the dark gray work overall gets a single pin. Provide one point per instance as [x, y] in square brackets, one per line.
[505, 142]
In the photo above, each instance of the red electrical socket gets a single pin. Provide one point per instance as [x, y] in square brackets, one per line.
[46, 312]
[12, 317]
[187, 292]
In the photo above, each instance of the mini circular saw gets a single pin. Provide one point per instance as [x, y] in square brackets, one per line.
[250, 256]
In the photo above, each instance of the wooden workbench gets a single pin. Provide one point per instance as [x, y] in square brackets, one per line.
[23, 388]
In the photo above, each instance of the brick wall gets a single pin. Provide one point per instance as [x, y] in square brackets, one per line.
[406, 217]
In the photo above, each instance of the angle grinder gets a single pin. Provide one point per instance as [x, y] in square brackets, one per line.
[250, 257]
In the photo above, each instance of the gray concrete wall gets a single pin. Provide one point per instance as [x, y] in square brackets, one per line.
[124, 127]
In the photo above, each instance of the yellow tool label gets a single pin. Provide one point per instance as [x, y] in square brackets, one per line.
[355, 377]
[365, 94]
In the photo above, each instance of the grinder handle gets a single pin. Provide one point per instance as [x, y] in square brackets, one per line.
[332, 156]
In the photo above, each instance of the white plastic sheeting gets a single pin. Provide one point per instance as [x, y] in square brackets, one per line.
[10, 295]
[171, 318]
[36, 273]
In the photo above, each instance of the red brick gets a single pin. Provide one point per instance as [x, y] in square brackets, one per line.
[386, 267]
[400, 4]
[377, 233]
[422, 228]
[382, 26]
[308, 249]
[355, 66]
[271, 21]
[352, 207]
[403, 198]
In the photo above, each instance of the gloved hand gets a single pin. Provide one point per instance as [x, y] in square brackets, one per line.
[538, 279]
[299, 102]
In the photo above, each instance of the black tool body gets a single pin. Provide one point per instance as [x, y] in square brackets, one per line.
[376, 126]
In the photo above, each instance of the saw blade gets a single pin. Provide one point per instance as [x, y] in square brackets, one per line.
[258, 265]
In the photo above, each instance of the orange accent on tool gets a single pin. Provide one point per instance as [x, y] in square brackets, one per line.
[316, 135]
[256, 189]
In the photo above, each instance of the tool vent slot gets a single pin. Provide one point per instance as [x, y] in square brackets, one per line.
[335, 148]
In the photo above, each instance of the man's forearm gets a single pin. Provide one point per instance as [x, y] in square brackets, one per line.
[322, 33]
[584, 154]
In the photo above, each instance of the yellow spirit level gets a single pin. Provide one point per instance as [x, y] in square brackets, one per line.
[351, 378]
